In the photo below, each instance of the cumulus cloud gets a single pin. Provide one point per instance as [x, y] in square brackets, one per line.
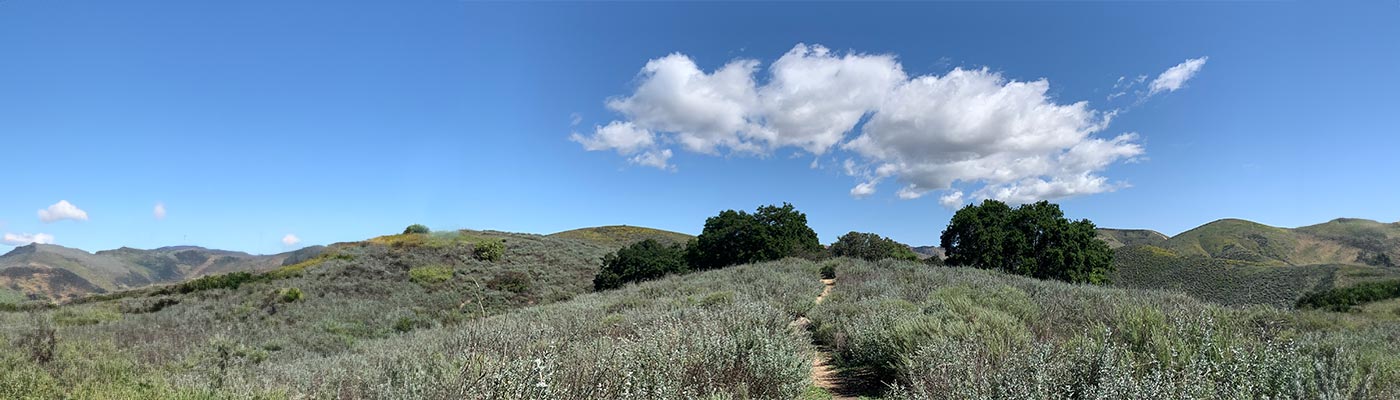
[62, 210]
[159, 211]
[21, 239]
[1173, 78]
[290, 240]
[969, 131]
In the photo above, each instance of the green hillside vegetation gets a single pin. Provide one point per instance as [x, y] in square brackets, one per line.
[1342, 241]
[355, 292]
[1132, 237]
[8, 296]
[1231, 282]
[616, 236]
[1378, 243]
[1238, 262]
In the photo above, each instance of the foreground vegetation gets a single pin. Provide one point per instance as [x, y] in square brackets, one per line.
[968, 334]
[719, 334]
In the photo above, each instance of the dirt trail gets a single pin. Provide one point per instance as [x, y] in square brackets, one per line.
[824, 374]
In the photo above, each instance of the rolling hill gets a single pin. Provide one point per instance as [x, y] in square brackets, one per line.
[1131, 237]
[618, 236]
[1341, 241]
[1239, 262]
[51, 272]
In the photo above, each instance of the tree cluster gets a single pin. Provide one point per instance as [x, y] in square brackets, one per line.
[870, 246]
[737, 237]
[640, 261]
[730, 238]
[1033, 240]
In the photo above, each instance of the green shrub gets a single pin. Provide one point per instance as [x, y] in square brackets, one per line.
[511, 281]
[76, 316]
[290, 295]
[716, 299]
[417, 229]
[1345, 299]
[829, 270]
[489, 250]
[430, 275]
[641, 261]
[230, 281]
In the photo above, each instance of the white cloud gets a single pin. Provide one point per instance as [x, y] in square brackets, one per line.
[625, 137]
[159, 211]
[952, 200]
[1175, 77]
[863, 190]
[290, 240]
[969, 130]
[653, 158]
[62, 210]
[21, 239]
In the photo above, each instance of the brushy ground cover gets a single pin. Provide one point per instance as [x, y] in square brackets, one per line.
[717, 335]
[355, 292]
[971, 334]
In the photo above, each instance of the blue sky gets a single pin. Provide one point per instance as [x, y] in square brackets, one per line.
[338, 121]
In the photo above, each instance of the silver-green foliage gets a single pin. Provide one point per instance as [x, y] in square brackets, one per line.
[971, 334]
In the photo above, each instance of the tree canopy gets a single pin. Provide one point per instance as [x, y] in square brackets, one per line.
[1034, 240]
[870, 246]
[640, 261]
[737, 237]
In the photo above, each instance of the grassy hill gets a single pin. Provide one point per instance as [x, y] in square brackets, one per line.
[1131, 237]
[1239, 262]
[1342, 241]
[618, 236]
[52, 272]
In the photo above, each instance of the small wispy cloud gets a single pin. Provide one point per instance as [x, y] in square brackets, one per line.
[21, 239]
[62, 210]
[290, 240]
[1173, 78]
[159, 211]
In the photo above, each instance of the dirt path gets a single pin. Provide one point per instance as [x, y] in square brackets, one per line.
[824, 374]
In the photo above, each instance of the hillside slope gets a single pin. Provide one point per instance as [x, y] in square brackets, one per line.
[618, 236]
[1131, 237]
[51, 272]
[1342, 241]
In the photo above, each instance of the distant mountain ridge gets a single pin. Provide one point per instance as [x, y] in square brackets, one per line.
[52, 272]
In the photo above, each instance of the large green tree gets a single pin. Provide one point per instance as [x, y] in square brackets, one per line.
[1034, 240]
[737, 237]
[870, 246]
[641, 261]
